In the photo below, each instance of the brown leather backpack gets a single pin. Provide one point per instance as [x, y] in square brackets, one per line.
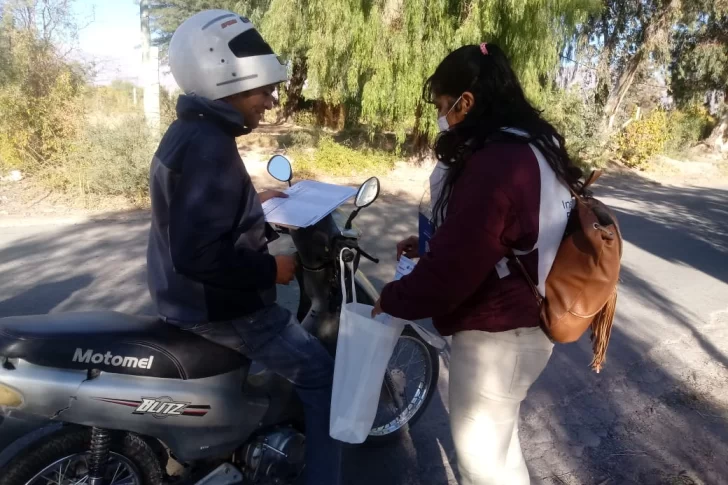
[581, 289]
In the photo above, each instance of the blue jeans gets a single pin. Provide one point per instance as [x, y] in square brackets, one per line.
[274, 338]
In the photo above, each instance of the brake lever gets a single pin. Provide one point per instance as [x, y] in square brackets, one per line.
[368, 256]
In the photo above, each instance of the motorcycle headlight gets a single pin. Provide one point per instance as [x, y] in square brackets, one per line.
[10, 397]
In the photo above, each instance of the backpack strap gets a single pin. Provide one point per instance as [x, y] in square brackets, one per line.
[523, 271]
[593, 177]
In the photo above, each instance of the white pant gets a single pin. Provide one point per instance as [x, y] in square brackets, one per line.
[490, 374]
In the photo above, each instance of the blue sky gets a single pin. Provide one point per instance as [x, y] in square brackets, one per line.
[111, 39]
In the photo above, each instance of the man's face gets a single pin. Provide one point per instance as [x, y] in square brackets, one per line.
[253, 104]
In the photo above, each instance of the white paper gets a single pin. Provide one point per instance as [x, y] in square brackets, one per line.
[308, 202]
[404, 267]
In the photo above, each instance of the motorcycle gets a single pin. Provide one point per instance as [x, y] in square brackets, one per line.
[104, 398]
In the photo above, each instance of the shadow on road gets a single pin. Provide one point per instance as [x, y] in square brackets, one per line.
[656, 414]
[635, 423]
[685, 225]
[105, 259]
[44, 297]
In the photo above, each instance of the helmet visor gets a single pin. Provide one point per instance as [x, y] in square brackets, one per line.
[249, 44]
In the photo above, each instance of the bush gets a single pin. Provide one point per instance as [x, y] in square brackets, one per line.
[577, 120]
[304, 118]
[35, 129]
[644, 138]
[688, 127]
[108, 159]
[41, 101]
[299, 138]
[337, 160]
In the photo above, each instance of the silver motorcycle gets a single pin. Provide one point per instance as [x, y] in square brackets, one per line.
[104, 398]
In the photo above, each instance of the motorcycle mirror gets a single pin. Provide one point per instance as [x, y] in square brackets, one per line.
[280, 168]
[368, 193]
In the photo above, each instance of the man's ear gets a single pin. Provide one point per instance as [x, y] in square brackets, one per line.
[467, 103]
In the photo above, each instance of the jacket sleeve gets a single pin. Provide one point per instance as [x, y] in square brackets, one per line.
[203, 213]
[463, 251]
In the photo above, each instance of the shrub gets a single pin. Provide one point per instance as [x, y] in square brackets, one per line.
[337, 160]
[110, 158]
[299, 138]
[578, 121]
[688, 127]
[41, 102]
[304, 118]
[644, 138]
[35, 130]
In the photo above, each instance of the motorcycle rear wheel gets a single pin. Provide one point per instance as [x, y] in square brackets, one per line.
[61, 459]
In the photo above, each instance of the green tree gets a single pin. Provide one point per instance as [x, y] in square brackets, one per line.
[167, 15]
[40, 88]
[624, 40]
[700, 64]
[373, 56]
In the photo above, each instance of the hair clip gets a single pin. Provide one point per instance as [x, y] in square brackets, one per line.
[484, 48]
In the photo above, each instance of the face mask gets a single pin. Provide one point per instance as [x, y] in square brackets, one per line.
[442, 120]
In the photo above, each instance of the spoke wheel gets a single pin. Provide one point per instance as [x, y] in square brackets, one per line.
[62, 459]
[73, 470]
[408, 386]
[409, 383]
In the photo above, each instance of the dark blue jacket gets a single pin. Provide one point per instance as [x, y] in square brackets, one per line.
[207, 258]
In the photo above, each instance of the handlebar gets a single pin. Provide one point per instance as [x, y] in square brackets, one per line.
[368, 256]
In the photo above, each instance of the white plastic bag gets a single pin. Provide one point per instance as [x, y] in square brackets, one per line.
[363, 351]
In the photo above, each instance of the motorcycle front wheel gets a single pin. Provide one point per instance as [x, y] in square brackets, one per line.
[409, 383]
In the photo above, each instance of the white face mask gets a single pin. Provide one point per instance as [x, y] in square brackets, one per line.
[442, 120]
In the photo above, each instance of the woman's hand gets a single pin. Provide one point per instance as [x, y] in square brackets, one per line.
[377, 308]
[271, 194]
[410, 247]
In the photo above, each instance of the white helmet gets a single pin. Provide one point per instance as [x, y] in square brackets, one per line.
[217, 53]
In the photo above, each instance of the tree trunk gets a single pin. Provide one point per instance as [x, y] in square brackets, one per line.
[295, 88]
[626, 78]
[717, 139]
[420, 140]
[657, 27]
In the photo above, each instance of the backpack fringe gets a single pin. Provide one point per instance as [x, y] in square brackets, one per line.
[602, 331]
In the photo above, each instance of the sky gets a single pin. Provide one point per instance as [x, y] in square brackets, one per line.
[110, 37]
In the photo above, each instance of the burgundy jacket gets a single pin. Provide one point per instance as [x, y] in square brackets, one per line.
[494, 207]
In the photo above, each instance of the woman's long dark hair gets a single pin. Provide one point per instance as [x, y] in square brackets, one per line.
[499, 103]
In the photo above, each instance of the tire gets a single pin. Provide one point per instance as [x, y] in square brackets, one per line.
[434, 364]
[433, 359]
[75, 441]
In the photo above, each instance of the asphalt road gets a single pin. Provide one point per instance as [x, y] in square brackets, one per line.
[657, 414]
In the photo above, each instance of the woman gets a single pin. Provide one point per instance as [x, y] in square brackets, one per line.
[504, 192]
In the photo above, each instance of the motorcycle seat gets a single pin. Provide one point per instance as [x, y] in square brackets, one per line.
[115, 343]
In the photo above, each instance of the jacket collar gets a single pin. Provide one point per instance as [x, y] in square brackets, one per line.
[219, 112]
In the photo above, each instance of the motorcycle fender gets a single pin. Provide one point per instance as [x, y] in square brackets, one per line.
[18, 435]
[367, 286]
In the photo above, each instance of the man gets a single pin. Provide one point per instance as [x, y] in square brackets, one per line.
[208, 263]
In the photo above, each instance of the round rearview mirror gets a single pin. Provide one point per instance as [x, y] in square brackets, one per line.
[280, 168]
[368, 193]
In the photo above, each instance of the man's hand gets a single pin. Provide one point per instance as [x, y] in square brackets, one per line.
[271, 194]
[377, 308]
[410, 247]
[285, 269]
